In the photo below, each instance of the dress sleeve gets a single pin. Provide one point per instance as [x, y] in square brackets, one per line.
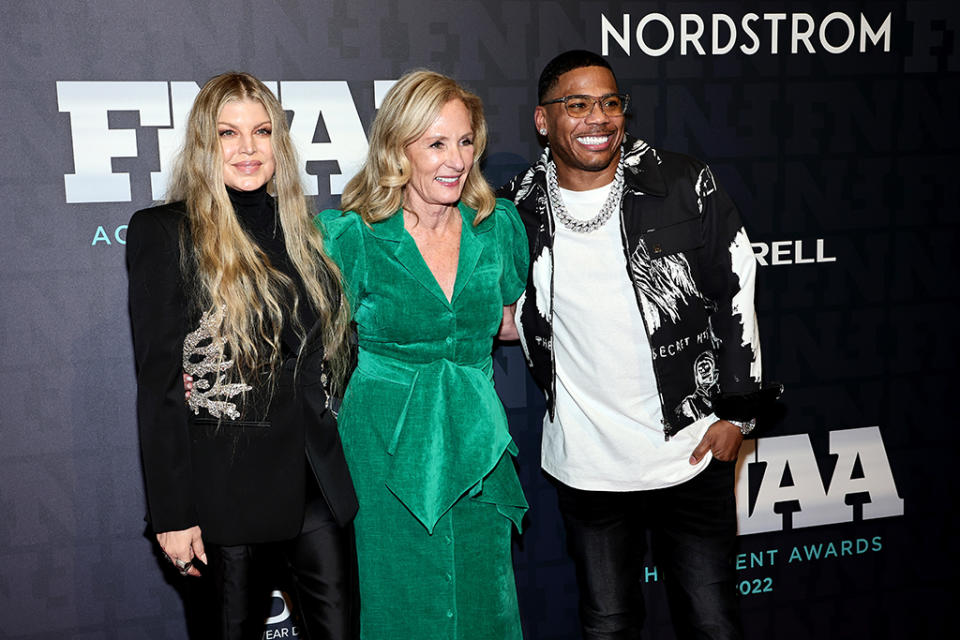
[158, 323]
[515, 251]
[343, 242]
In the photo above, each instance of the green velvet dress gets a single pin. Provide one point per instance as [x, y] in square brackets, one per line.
[424, 432]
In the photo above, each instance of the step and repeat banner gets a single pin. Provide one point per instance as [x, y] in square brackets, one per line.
[834, 126]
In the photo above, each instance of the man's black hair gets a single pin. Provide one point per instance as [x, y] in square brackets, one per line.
[567, 61]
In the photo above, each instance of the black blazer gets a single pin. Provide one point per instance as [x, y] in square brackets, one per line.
[242, 481]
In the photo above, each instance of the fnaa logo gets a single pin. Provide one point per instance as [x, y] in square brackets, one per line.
[791, 494]
[164, 106]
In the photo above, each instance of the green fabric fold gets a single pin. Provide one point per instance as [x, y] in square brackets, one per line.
[450, 439]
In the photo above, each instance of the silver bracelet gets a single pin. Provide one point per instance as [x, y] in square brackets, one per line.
[745, 426]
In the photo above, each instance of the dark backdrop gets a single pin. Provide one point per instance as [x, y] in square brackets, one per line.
[832, 124]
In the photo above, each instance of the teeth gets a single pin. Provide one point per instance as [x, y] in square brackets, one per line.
[447, 180]
[592, 139]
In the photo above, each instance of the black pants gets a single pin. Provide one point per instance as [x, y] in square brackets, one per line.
[693, 531]
[323, 565]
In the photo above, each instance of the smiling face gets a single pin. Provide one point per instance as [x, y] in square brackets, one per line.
[585, 150]
[244, 129]
[440, 160]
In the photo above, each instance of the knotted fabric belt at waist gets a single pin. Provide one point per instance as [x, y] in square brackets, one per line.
[449, 439]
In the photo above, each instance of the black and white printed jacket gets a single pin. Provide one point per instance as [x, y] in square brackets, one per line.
[692, 269]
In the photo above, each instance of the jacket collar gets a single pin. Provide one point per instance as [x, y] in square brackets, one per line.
[641, 169]
[409, 256]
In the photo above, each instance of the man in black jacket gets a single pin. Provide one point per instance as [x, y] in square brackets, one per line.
[638, 324]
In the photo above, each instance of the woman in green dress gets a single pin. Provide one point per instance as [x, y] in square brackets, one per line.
[431, 262]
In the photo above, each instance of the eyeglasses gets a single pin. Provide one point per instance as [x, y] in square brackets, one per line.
[611, 104]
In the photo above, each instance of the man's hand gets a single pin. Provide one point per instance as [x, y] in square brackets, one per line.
[723, 439]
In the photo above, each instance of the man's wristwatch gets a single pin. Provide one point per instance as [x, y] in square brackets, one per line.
[745, 426]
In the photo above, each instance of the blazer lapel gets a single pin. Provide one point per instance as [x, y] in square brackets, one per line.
[410, 258]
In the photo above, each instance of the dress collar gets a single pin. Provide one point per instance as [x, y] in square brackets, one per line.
[407, 254]
[392, 228]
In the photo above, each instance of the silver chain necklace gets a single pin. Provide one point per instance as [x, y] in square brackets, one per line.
[583, 226]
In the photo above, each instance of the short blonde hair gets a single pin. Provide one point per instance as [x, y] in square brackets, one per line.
[408, 109]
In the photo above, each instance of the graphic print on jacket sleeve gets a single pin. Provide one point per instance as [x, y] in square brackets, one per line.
[744, 263]
[542, 275]
[518, 320]
[704, 187]
[526, 184]
[663, 286]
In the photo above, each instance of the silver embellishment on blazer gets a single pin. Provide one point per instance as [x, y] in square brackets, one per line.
[213, 398]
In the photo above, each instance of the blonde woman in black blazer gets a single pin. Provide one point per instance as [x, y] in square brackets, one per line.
[231, 285]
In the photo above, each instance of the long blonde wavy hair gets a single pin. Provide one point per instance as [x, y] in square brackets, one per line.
[226, 268]
[408, 109]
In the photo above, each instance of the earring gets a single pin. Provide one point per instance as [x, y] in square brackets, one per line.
[543, 131]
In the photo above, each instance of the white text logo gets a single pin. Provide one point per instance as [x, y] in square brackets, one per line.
[836, 33]
[782, 252]
[164, 106]
[791, 489]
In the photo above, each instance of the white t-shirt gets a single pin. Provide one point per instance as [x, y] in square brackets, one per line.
[608, 431]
